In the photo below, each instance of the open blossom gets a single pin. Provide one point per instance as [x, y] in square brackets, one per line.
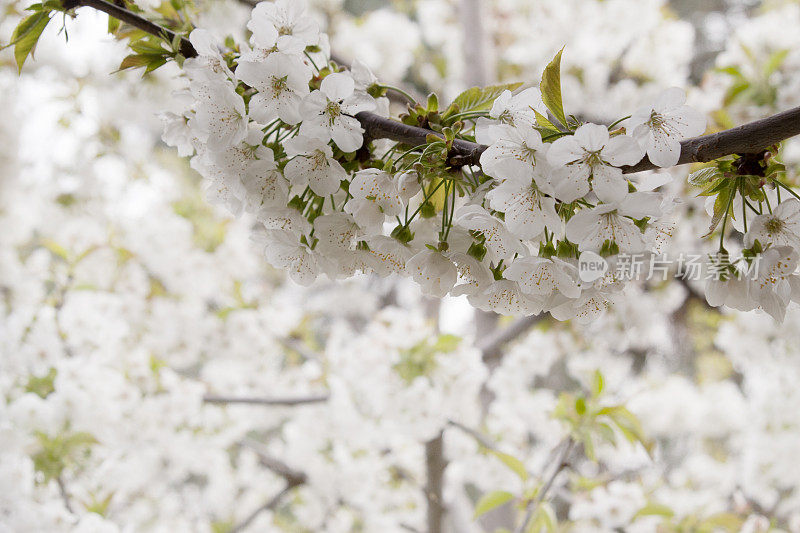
[591, 153]
[220, 118]
[528, 210]
[281, 81]
[336, 232]
[312, 164]
[780, 228]
[540, 276]
[659, 128]
[500, 243]
[506, 298]
[374, 196]
[435, 273]
[329, 113]
[293, 27]
[209, 64]
[474, 276]
[284, 250]
[770, 284]
[514, 110]
[590, 228]
[513, 155]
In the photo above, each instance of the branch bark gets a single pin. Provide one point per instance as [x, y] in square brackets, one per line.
[752, 137]
[434, 466]
[265, 401]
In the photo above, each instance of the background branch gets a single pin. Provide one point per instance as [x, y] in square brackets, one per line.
[265, 401]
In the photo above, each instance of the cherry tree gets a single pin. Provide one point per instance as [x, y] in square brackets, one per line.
[501, 196]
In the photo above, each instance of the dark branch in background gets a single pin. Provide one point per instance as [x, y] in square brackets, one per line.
[435, 465]
[748, 138]
[265, 401]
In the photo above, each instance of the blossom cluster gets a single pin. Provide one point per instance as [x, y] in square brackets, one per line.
[275, 133]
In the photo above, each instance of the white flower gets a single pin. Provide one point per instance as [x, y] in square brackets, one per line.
[775, 285]
[528, 211]
[660, 128]
[177, 133]
[511, 110]
[780, 228]
[500, 243]
[285, 219]
[539, 276]
[285, 251]
[513, 155]
[374, 196]
[389, 256]
[336, 232]
[435, 273]
[281, 81]
[590, 228]
[295, 29]
[474, 277]
[329, 113]
[590, 152]
[594, 299]
[209, 64]
[220, 118]
[312, 164]
[506, 298]
[264, 183]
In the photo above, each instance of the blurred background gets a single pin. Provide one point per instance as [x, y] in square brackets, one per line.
[158, 375]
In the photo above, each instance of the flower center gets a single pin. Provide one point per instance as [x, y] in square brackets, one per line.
[333, 110]
[656, 121]
[774, 225]
[278, 85]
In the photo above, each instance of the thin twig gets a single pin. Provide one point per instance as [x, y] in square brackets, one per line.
[561, 463]
[482, 439]
[268, 506]
[304, 400]
[292, 476]
[62, 490]
[490, 346]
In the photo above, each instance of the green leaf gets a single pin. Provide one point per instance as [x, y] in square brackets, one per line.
[699, 178]
[597, 383]
[134, 61]
[654, 509]
[721, 206]
[479, 98]
[27, 34]
[491, 501]
[56, 249]
[775, 61]
[513, 463]
[446, 343]
[551, 89]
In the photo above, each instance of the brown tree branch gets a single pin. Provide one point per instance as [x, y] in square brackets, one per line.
[208, 398]
[752, 137]
[434, 466]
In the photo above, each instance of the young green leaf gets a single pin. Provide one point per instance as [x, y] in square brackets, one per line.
[479, 98]
[513, 463]
[491, 501]
[551, 89]
[27, 34]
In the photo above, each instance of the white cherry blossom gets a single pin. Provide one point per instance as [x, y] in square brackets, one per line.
[433, 271]
[540, 276]
[528, 210]
[591, 153]
[500, 243]
[513, 155]
[281, 81]
[329, 113]
[661, 127]
[312, 164]
[374, 196]
[779, 228]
